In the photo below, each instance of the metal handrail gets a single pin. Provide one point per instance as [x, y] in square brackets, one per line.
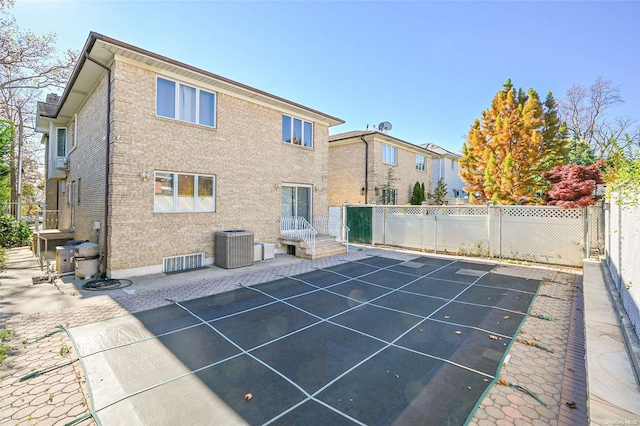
[299, 227]
[331, 225]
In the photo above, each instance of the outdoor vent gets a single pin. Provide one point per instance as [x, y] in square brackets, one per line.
[233, 248]
[183, 262]
[62, 163]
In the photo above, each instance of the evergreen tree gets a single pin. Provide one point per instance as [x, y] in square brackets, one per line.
[510, 146]
[416, 198]
[440, 192]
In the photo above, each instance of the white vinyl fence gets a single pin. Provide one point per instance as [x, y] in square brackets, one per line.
[546, 234]
[622, 253]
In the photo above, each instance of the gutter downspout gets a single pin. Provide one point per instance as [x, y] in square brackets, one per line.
[366, 170]
[107, 168]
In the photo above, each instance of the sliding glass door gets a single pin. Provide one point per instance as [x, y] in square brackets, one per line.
[296, 201]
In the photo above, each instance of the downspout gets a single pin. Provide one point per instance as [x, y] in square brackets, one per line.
[366, 170]
[107, 169]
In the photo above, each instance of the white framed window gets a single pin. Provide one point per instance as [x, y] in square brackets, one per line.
[75, 130]
[297, 131]
[389, 196]
[453, 164]
[184, 192]
[61, 142]
[389, 154]
[185, 103]
[421, 163]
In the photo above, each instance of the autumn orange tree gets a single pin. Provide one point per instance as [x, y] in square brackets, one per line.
[510, 146]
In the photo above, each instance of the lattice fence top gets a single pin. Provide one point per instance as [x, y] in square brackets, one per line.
[511, 211]
[541, 211]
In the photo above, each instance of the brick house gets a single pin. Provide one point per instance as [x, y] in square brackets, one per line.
[359, 162]
[189, 153]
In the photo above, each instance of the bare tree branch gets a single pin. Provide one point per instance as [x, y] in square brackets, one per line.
[585, 112]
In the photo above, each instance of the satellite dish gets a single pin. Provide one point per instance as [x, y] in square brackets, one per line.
[385, 126]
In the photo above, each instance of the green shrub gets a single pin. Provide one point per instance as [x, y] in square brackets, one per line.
[13, 233]
[3, 258]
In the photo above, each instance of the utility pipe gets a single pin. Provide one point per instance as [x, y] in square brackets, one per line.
[366, 170]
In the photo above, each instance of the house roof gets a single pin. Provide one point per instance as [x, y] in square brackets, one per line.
[104, 49]
[384, 136]
[440, 150]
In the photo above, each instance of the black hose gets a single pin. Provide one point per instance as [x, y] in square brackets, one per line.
[106, 284]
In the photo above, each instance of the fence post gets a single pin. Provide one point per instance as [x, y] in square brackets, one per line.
[489, 205]
[384, 225]
[435, 230]
[619, 243]
[587, 232]
[499, 231]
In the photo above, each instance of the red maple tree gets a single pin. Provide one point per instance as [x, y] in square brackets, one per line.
[573, 185]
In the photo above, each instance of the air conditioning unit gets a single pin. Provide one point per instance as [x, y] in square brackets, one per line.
[62, 163]
[233, 249]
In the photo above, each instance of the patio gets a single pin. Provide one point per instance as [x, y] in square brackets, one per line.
[541, 372]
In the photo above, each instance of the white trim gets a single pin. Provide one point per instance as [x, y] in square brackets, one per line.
[395, 156]
[303, 140]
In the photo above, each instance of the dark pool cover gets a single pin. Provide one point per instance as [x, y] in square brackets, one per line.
[372, 342]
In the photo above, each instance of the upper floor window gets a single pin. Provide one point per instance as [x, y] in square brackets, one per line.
[61, 142]
[421, 162]
[389, 154]
[75, 130]
[186, 103]
[453, 164]
[181, 192]
[297, 131]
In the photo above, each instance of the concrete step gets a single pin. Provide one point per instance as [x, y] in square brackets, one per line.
[326, 246]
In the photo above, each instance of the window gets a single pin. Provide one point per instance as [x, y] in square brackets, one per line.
[297, 131]
[456, 193]
[61, 141]
[421, 162]
[453, 163]
[389, 196]
[75, 130]
[187, 103]
[78, 194]
[389, 154]
[183, 192]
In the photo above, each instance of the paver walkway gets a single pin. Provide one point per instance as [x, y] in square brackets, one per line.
[58, 396]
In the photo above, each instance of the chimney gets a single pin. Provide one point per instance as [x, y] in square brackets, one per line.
[52, 98]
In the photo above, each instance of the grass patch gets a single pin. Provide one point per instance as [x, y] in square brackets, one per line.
[3, 258]
[4, 349]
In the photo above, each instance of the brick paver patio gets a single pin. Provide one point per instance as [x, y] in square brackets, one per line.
[553, 368]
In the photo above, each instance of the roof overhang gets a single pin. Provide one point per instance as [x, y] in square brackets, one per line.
[368, 135]
[104, 50]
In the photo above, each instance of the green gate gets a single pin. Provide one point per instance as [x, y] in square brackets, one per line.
[359, 221]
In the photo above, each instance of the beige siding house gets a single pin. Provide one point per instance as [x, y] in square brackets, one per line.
[359, 162]
[149, 157]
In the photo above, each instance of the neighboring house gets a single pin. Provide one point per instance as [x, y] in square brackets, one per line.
[358, 168]
[445, 166]
[149, 157]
